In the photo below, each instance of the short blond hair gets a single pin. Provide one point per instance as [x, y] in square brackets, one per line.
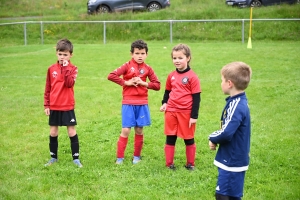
[239, 73]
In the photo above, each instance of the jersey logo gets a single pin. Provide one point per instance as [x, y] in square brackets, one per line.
[54, 74]
[173, 78]
[142, 71]
[132, 69]
[185, 80]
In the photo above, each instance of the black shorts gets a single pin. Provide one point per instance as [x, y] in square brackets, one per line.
[62, 118]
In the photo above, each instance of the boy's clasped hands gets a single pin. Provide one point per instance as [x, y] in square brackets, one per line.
[136, 81]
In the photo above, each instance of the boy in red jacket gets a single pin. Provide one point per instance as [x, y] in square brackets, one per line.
[59, 101]
[135, 110]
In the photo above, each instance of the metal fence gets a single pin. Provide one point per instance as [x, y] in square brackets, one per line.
[171, 22]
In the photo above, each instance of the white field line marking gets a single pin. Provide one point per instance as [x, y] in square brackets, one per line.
[25, 53]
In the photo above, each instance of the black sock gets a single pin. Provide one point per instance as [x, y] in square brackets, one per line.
[75, 146]
[53, 146]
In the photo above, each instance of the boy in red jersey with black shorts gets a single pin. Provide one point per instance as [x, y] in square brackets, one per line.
[181, 103]
[59, 101]
[135, 110]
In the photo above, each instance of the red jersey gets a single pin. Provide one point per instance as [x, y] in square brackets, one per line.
[182, 86]
[59, 89]
[135, 95]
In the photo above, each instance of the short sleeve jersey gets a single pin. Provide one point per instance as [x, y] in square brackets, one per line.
[182, 86]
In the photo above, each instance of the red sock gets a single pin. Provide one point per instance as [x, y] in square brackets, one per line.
[190, 151]
[169, 154]
[121, 146]
[138, 144]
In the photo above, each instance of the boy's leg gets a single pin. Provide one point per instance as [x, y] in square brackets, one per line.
[74, 141]
[230, 184]
[170, 151]
[222, 197]
[169, 154]
[190, 151]
[141, 119]
[122, 144]
[53, 144]
[138, 144]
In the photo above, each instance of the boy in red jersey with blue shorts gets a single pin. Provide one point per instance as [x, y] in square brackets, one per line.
[59, 101]
[181, 103]
[135, 110]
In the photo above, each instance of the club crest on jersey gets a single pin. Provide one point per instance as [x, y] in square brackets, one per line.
[185, 80]
[54, 74]
[142, 71]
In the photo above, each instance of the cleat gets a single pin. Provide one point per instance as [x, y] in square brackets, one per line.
[136, 159]
[119, 161]
[189, 167]
[77, 162]
[50, 162]
[171, 167]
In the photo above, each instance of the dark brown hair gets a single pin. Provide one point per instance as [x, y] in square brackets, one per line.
[64, 45]
[139, 44]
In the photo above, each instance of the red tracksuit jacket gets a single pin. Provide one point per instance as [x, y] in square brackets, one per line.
[135, 95]
[59, 89]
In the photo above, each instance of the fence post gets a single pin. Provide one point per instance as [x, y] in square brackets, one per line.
[243, 30]
[104, 32]
[42, 33]
[171, 32]
[25, 34]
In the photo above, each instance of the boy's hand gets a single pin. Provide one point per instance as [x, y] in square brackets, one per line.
[211, 145]
[136, 81]
[139, 81]
[192, 121]
[131, 82]
[65, 63]
[163, 107]
[47, 111]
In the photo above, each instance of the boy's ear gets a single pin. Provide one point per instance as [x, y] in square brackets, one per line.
[230, 83]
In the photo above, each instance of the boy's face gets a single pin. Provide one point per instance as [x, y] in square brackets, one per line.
[139, 55]
[180, 60]
[225, 85]
[63, 56]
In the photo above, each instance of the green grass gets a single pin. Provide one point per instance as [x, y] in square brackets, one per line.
[274, 99]
[92, 33]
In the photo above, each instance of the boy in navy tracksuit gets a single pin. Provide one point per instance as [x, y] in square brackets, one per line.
[233, 138]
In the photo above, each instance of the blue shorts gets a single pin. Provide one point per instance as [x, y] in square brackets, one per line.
[230, 183]
[135, 116]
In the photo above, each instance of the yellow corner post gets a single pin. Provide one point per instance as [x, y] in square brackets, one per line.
[249, 46]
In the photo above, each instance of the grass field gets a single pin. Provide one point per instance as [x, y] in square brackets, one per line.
[274, 99]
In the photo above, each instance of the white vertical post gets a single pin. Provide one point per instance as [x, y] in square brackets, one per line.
[104, 33]
[171, 32]
[42, 33]
[25, 34]
[243, 29]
